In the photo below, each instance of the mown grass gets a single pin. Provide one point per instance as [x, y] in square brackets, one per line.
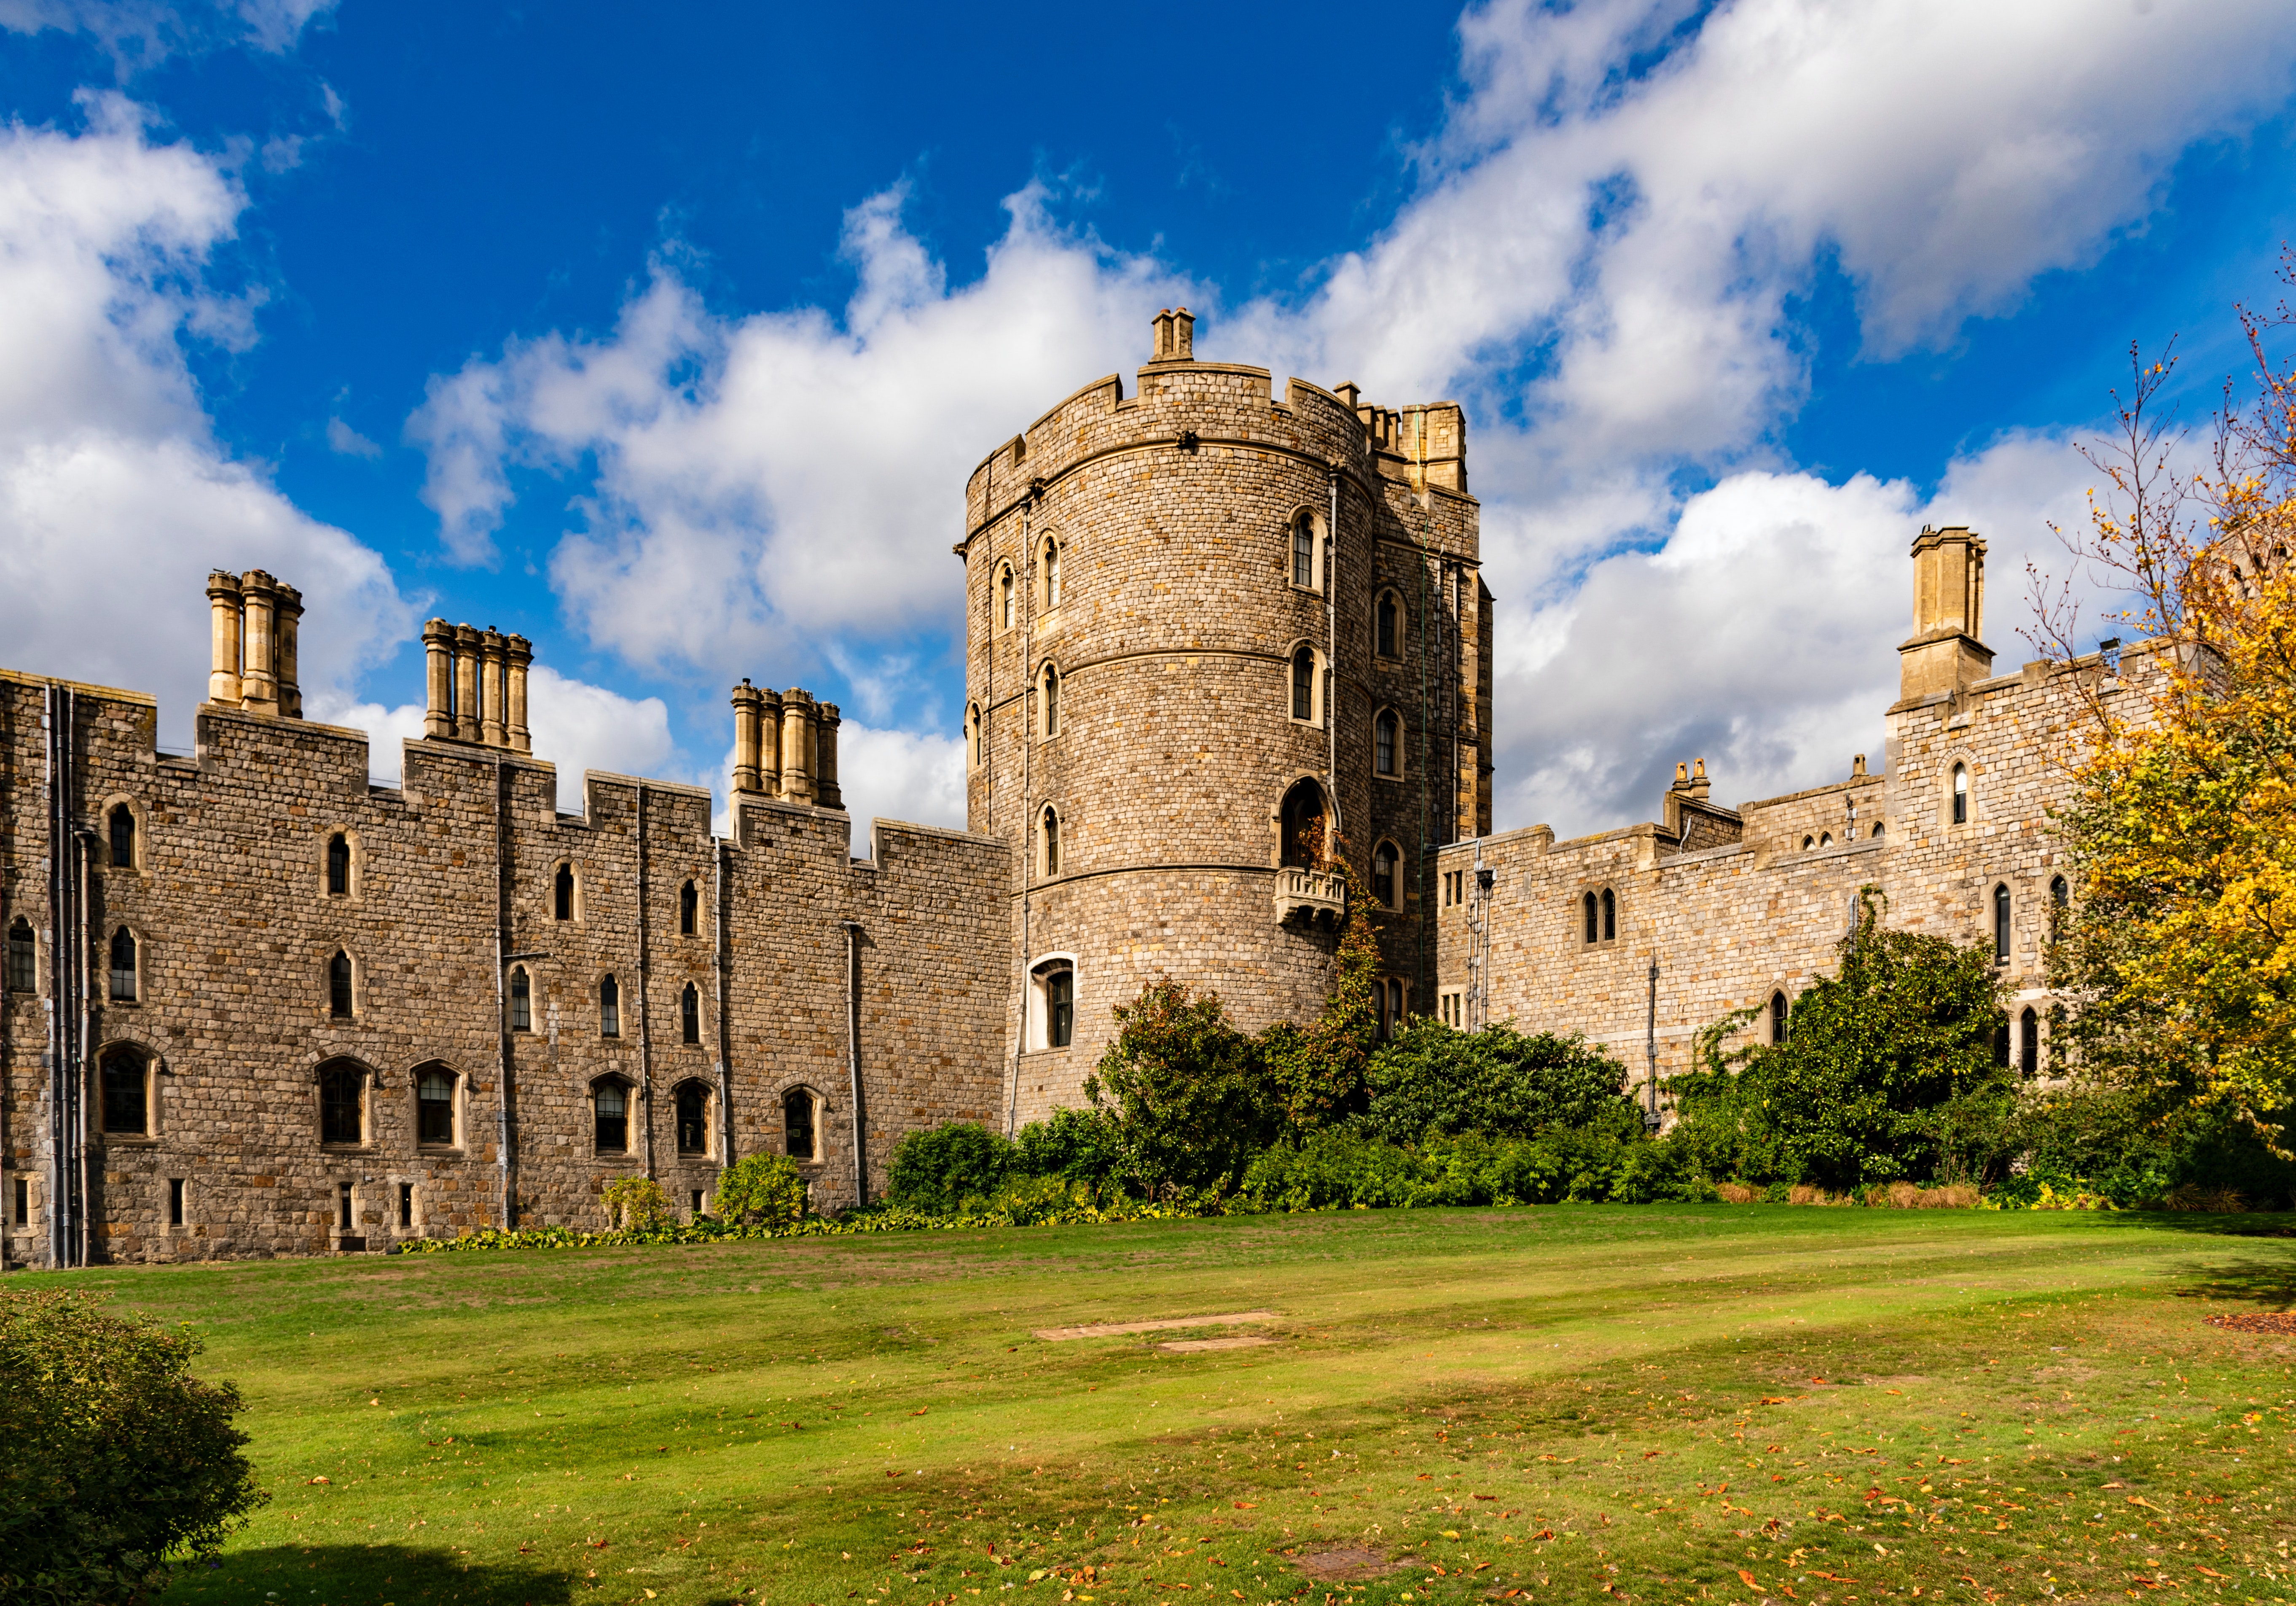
[1670, 1404]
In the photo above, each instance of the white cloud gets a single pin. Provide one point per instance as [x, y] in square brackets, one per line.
[343, 439]
[115, 499]
[141, 33]
[899, 775]
[578, 727]
[1600, 258]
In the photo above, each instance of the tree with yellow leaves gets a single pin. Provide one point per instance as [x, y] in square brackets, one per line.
[2178, 957]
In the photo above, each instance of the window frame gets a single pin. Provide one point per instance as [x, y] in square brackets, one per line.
[1308, 518]
[566, 893]
[624, 1089]
[2003, 907]
[689, 1015]
[1394, 899]
[342, 969]
[2029, 1043]
[973, 755]
[1048, 700]
[704, 1096]
[608, 994]
[1004, 599]
[25, 954]
[520, 991]
[1958, 808]
[816, 1109]
[1451, 1008]
[1049, 843]
[1781, 1015]
[1045, 1021]
[1610, 915]
[146, 1063]
[348, 840]
[1394, 651]
[1285, 849]
[114, 810]
[457, 1093]
[1399, 744]
[135, 972]
[360, 1080]
[689, 908]
[1049, 575]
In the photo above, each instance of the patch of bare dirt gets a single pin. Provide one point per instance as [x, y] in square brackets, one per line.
[1349, 1565]
[2257, 1322]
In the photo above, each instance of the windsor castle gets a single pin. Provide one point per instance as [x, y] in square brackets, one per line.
[257, 1005]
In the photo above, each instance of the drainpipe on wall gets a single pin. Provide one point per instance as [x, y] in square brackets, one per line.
[718, 963]
[1649, 1046]
[853, 1059]
[1027, 581]
[645, 987]
[1331, 663]
[504, 1168]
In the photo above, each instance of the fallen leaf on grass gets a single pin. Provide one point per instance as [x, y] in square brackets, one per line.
[313, 1480]
[1247, 1505]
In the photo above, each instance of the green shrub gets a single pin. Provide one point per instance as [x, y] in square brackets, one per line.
[1189, 1088]
[1085, 1146]
[119, 1460]
[635, 1203]
[1888, 1073]
[1432, 1079]
[767, 1189]
[938, 1169]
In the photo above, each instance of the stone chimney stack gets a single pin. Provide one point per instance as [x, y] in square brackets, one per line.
[1945, 654]
[438, 680]
[518, 654]
[748, 705]
[288, 617]
[797, 746]
[258, 671]
[466, 684]
[492, 728]
[1699, 786]
[825, 789]
[223, 637]
[1175, 336]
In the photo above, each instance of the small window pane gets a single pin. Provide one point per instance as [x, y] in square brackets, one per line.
[2001, 924]
[1383, 732]
[1387, 626]
[689, 1014]
[339, 985]
[339, 867]
[1303, 684]
[613, 1125]
[689, 908]
[1060, 1008]
[521, 1000]
[123, 836]
[2029, 1043]
[434, 1105]
[610, 1009]
[1052, 843]
[124, 1106]
[1594, 931]
[797, 1124]
[1777, 1017]
[123, 965]
[341, 1117]
[565, 892]
[1303, 552]
[1383, 874]
[692, 1120]
[1052, 702]
[1610, 917]
[23, 958]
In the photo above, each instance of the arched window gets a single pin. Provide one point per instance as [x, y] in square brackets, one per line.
[24, 956]
[1049, 840]
[2061, 891]
[125, 1075]
[2029, 1043]
[1877, 828]
[522, 1000]
[1384, 862]
[798, 1135]
[693, 1118]
[1610, 915]
[610, 1008]
[1593, 911]
[1052, 689]
[610, 1104]
[563, 892]
[1006, 590]
[1301, 822]
[123, 836]
[1395, 1019]
[689, 1014]
[1055, 1005]
[1387, 623]
[434, 1106]
[339, 866]
[1778, 1016]
[123, 965]
[975, 750]
[1809, 843]
[1961, 795]
[1303, 551]
[339, 985]
[1825, 839]
[2001, 923]
[1051, 562]
[1387, 742]
[689, 909]
[342, 1102]
[1303, 684]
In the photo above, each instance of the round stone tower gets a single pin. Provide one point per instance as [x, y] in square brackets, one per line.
[1211, 634]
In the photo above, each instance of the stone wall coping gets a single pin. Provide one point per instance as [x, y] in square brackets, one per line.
[225, 711]
[25, 677]
[1873, 778]
[908, 827]
[1706, 855]
[592, 778]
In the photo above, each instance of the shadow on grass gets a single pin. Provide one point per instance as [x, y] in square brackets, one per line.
[2270, 1283]
[365, 1574]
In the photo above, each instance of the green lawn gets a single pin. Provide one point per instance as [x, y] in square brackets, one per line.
[1649, 1403]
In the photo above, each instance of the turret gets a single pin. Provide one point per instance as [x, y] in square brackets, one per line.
[1944, 653]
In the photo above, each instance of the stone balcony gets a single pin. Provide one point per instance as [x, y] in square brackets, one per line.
[1313, 895]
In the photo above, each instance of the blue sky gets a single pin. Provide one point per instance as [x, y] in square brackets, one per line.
[670, 341]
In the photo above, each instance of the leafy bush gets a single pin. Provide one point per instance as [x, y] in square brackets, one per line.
[1085, 1146]
[120, 1459]
[1318, 1071]
[1888, 1073]
[1189, 1088]
[938, 1169]
[633, 1203]
[1433, 1079]
[767, 1189]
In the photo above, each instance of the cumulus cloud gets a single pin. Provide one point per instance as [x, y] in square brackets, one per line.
[115, 498]
[141, 33]
[1600, 256]
[899, 775]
